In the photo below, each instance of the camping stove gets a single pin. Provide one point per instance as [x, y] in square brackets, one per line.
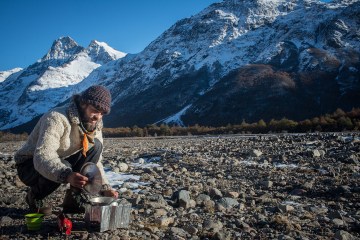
[106, 213]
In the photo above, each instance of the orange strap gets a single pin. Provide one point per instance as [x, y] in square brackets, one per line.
[85, 143]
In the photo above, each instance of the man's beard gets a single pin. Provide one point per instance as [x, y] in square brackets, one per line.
[89, 126]
[87, 122]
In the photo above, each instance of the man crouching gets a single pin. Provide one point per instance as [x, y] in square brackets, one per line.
[62, 141]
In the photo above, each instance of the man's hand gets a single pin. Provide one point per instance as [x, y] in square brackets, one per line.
[110, 193]
[77, 180]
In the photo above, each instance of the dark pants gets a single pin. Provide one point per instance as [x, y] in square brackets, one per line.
[41, 186]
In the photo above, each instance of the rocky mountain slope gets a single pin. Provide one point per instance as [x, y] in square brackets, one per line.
[238, 60]
[242, 60]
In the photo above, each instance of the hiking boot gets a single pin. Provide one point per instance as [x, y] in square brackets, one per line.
[74, 201]
[35, 205]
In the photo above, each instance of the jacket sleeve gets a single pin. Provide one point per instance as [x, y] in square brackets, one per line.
[99, 163]
[46, 159]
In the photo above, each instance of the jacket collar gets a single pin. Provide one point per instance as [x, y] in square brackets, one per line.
[73, 111]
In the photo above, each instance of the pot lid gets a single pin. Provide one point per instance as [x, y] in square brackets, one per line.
[92, 172]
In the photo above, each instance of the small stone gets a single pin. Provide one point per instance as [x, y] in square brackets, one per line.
[285, 237]
[308, 185]
[215, 193]
[335, 214]
[343, 189]
[219, 207]
[241, 224]
[184, 199]
[151, 229]
[264, 161]
[228, 202]
[140, 161]
[260, 217]
[267, 183]
[211, 182]
[196, 188]
[156, 201]
[232, 194]
[209, 205]
[297, 226]
[219, 236]
[344, 235]
[322, 152]
[338, 222]
[318, 210]
[241, 206]
[6, 220]
[191, 229]
[192, 203]
[286, 208]
[212, 225]
[123, 167]
[256, 153]
[160, 212]
[298, 192]
[202, 198]
[164, 221]
[353, 159]
[178, 231]
[281, 220]
[168, 192]
[316, 153]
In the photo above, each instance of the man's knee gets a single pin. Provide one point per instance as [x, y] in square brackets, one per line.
[27, 173]
[44, 187]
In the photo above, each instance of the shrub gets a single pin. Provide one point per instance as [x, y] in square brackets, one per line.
[7, 137]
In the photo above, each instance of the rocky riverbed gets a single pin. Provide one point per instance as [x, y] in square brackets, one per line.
[217, 187]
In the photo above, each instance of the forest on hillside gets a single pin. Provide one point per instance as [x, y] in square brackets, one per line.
[335, 122]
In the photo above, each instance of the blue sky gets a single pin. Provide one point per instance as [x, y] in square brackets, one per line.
[28, 28]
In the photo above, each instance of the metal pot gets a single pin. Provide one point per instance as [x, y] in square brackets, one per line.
[102, 201]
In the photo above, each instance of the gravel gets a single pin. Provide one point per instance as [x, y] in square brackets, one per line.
[274, 186]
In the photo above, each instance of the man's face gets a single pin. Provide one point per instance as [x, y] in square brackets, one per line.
[91, 115]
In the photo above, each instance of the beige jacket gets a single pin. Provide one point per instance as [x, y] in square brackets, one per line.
[55, 137]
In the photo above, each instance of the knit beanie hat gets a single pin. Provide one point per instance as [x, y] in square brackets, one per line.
[98, 96]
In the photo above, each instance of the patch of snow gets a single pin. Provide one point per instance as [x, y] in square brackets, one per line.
[65, 75]
[175, 118]
[124, 181]
[282, 165]
[291, 203]
[5, 74]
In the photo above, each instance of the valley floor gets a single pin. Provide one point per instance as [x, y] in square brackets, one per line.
[281, 186]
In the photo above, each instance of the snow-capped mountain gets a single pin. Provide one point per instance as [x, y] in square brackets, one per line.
[27, 93]
[240, 60]
[5, 74]
[235, 60]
